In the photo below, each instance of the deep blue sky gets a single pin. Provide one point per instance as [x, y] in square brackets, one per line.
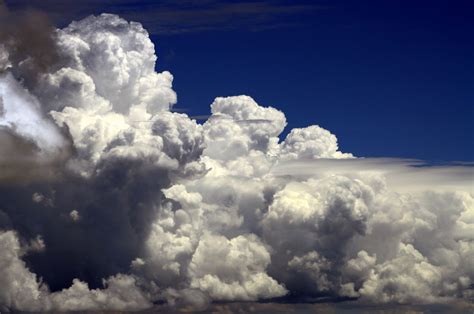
[389, 78]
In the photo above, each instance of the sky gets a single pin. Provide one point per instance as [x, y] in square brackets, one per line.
[390, 78]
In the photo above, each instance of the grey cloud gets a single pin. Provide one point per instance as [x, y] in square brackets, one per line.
[33, 147]
[29, 38]
[22, 290]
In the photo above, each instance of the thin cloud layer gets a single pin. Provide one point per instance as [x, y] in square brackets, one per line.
[146, 206]
[167, 18]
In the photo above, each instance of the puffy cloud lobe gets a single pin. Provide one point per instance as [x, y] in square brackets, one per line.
[310, 143]
[238, 125]
[112, 59]
[169, 139]
[181, 250]
[182, 138]
[20, 288]
[115, 118]
[104, 91]
[243, 109]
[315, 266]
[120, 293]
[310, 210]
[233, 269]
[169, 245]
[242, 137]
[310, 225]
[409, 277]
[419, 255]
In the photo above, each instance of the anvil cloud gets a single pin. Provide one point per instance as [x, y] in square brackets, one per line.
[109, 200]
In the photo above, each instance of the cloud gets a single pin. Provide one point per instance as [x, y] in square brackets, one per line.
[177, 17]
[27, 43]
[21, 290]
[33, 146]
[401, 175]
[311, 143]
[21, 114]
[233, 269]
[117, 203]
[235, 139]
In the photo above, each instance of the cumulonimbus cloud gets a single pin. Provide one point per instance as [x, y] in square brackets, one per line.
[140, 205]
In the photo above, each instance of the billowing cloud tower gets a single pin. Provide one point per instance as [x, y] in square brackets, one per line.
[111, 201]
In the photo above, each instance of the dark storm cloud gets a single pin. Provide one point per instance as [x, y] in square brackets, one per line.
[28, 153]
[115, 211]
[29, 38]
[14, 156]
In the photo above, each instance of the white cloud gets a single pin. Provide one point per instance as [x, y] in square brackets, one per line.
[20, 112]
[233, 269]
[20, 288]
[312, 142]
